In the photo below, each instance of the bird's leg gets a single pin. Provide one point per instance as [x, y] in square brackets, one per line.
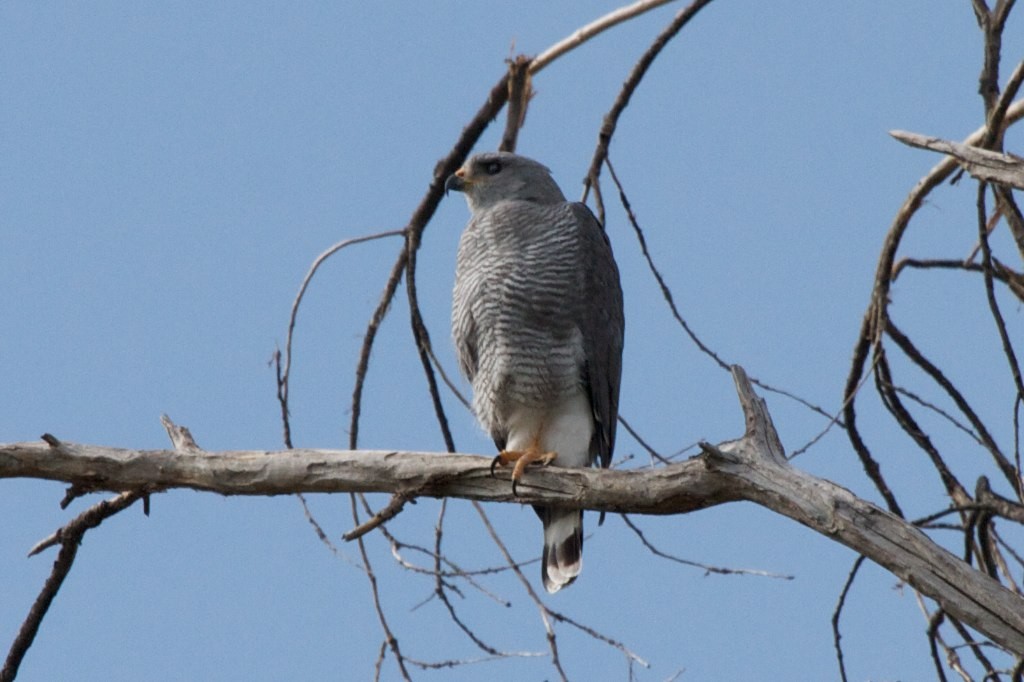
[523, 458]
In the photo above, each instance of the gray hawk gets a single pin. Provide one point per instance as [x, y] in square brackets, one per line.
[538, 324]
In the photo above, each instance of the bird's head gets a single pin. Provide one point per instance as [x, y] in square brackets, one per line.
[492, 177]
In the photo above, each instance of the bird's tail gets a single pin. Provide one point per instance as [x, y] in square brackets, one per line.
[563, 547]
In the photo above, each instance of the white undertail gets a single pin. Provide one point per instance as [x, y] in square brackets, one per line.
[566, 430]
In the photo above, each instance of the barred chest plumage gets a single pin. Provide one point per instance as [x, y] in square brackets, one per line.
[518, 280]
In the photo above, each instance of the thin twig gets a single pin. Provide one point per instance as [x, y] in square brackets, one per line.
[1013, 280]
[519, 94]
[707, 568]
[928, 405]
[993, 304]
[392, 509]
[643, 443]
[929, 520]
[975, 648]
[542, 609]
[417, 223]
[834, 420]
[447, 380]
[666, 293]
[284, 368]
[585, 33]
[454, 663]
[322, 535]
[611, 119]
[615, 644]
[389, 638]
[69, 537]
[1008, 578]
[934, 639]
[837, 612]
[379, 663]
[422, 337]
[365, 350]
[456, 571]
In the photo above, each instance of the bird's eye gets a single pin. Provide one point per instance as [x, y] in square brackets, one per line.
[493, 168]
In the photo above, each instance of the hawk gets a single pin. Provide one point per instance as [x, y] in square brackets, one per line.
[538, 325]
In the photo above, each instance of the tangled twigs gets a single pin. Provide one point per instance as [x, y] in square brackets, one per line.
[880, 337]
[875, 317]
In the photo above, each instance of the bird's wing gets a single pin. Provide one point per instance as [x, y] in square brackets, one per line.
[464, 328]
[602, 323]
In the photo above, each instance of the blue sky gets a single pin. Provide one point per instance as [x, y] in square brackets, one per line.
[170, 171]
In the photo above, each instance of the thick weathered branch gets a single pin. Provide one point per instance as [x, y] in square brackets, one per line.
[670, 490]
[983, 164]
[752, 468]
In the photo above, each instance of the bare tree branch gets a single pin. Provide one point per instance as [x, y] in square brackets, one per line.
[677, 488]
[392, 509]
[875, 318]
[836, 634]
[585, 33]
[753, 468]
[284, 365]
[390, 640]
[1013, 280]
[520, 92]
[707, 568]
[611, 119]
[1000, 167]
[68, 537]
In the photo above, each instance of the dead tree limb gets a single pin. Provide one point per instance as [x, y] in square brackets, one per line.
[670, 490]
[983, 164]
[753, 468]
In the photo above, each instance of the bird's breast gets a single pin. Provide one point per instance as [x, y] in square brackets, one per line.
[521, 285]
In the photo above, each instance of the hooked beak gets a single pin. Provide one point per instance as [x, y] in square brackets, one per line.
[456, 181]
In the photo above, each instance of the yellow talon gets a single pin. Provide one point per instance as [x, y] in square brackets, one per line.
[522, 459]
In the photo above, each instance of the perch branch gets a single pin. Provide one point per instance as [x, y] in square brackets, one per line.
[753, 468]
